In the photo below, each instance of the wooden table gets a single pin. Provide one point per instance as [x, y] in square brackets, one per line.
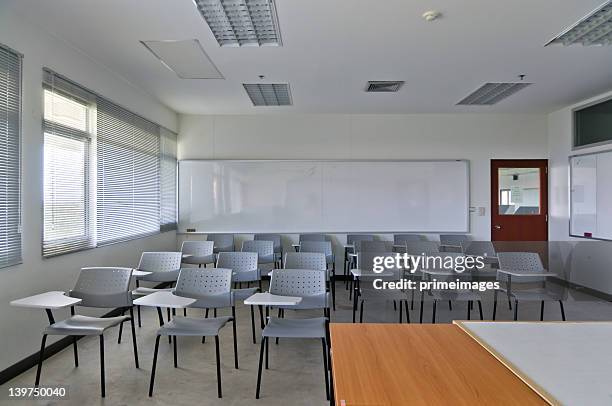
[394, 364]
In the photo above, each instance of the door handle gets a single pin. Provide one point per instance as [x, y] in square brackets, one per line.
[497, 227]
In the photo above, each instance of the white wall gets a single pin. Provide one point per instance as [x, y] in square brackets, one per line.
[477, 137]
[36, 275]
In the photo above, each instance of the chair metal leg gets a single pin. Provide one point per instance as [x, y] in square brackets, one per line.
[267, 351]
[361, 312]
[174, 352]
[469, 308]
[76, 351]
[494, 305]
[421, 309]
[515, 310]
[400, 312]
[120, 328]
[542, 310]
[325, 367]
[235, 339]
[205, 316]
[407, 312]
[433, 316]
[185, 312]
[215, 312]
[333, 292]
[562, 310]
[394, 306]
[261, 355]
[253, 324]
[450, 305]
[102, 380]
[509, 304]
[139, 320]
[412, 300]
[41, 357]
[134, 343]
[218, 357]
[261, 318]
[152, 381]
[480, 310]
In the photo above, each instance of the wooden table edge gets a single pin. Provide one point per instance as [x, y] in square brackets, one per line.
[549, 398]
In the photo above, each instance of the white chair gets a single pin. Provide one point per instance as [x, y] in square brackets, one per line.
[198, 253]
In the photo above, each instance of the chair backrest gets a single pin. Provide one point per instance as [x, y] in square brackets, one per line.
[371, 246]
[353, 238]
[103, 287]
[323, 247]
[164, 265]
[238, 261]
[520, 261]
[454, 239]
[275, 238]
[403, 238]
[422, 247]
[263, 248]
[222, 242]
[482, 248]
[313, 237]
[365, 260]
[298, 282]
[201, 282]
[305, 260]
[197, 248]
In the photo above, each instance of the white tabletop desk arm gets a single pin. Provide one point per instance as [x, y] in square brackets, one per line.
[48, 301]
[213, 301]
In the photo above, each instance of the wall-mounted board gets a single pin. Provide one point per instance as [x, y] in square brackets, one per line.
[285, 196]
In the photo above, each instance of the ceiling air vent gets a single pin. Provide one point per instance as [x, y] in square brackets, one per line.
[492, 93]
[269, 94]
[593, 29]
[237, 23]
[384, 86]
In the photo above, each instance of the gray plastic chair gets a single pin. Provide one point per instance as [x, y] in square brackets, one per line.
[263, 248]
[99, 288]
[223, 242]
[313, 237]
[305, 283]
[401, 239]
[201, 252]
[305, 260]
[278, 244]
[531, 288]
[325, 248]
[212, 289]
[244, 269]
[454, 242]
[351, 239]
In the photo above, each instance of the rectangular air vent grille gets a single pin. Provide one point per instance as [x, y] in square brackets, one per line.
[269, 94]
[236, 23]
[383, 86]
[492, 93]
[593, 29]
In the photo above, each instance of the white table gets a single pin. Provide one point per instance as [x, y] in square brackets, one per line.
[49, 301]
[566, 363]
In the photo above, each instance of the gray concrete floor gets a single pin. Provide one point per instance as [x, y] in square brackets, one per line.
[295, 376]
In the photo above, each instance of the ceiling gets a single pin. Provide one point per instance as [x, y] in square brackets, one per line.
[332, 47]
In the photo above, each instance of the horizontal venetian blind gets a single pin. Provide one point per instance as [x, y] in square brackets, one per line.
[10, 154]
[128, 174]
[168, 180]
[67, 127]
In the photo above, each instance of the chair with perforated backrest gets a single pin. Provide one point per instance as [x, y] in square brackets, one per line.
[244, 269]
[99, 288]
[325, 248]
[305, 283]
[454, 242]
[313, 237]
[278, 244]
[451, 267]
[349, 260]
[400, 240]
[222, 242]
[198, 252]
[530, 288]
[305, 260]
[212, 289]
[367, 290]
[483, 249]
[263, 248]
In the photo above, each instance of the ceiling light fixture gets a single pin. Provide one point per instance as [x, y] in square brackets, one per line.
[593, 29]
[236, 23]
[492, 93]
[269, 94]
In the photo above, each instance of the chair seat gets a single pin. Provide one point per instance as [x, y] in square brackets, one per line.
[459, 296]
[536, 295]
[197, 260]
[241, 294]
[142, 291]
[295, 328]
[189, 326]
[84, 325]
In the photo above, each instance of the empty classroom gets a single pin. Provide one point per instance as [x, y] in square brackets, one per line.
[279, 202]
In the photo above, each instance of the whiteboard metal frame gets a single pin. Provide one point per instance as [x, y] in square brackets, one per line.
[468, 192]
[569, 192]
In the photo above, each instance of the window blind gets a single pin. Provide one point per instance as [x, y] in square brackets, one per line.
[128, 174]
[168, 180]
[10, 155]
[68, 113]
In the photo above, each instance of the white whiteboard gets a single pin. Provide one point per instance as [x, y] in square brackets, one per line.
[591, 195]
[323, 196]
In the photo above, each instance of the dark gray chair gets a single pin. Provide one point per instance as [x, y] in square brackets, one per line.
[99, 288]
[223, 242]
[211, 288]
[305, 283]
[200, 252]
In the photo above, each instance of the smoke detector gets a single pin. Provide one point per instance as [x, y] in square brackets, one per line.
[431, 15]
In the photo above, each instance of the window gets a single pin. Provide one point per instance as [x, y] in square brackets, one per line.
[68, 114]
[168, 180]
[128, 175]
[10, 170]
